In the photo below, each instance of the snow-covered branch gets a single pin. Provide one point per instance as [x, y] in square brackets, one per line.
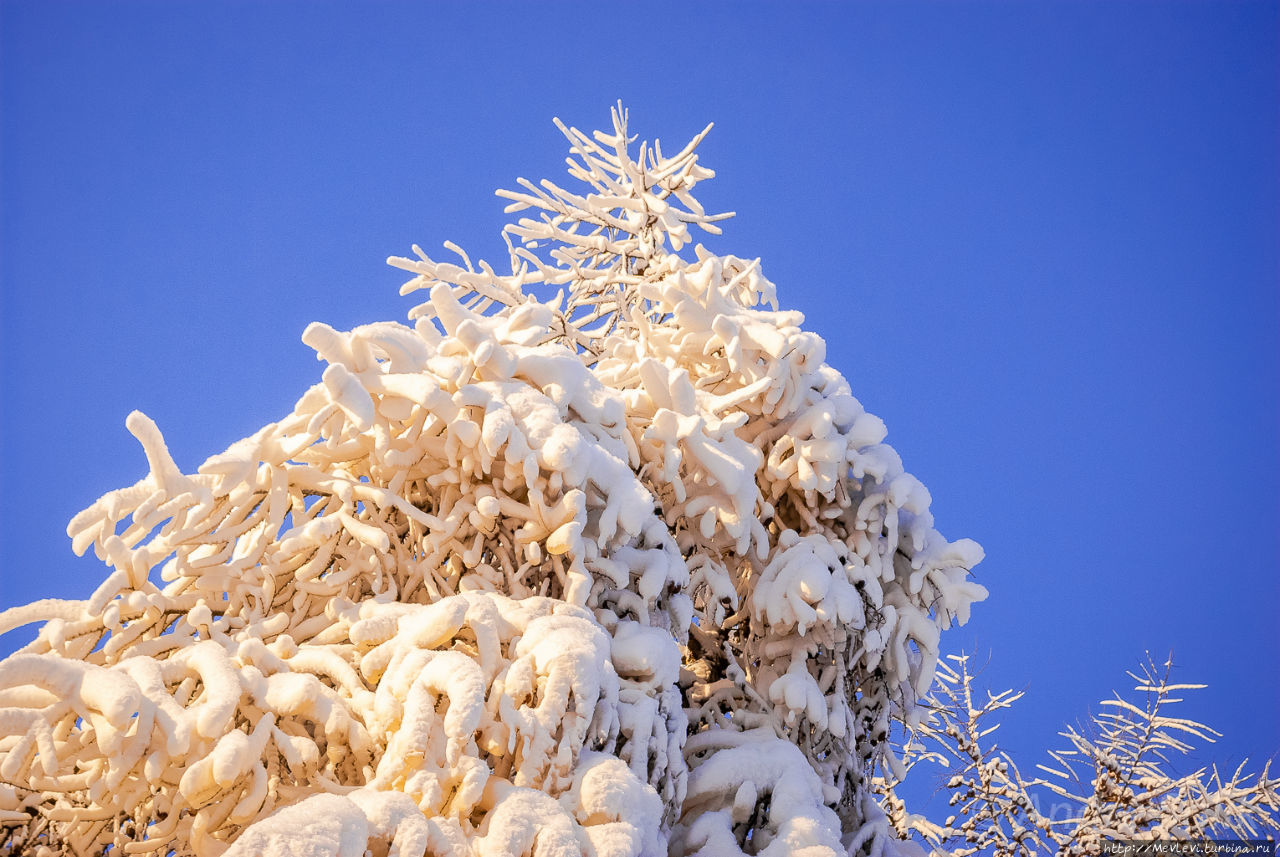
[1113, 782]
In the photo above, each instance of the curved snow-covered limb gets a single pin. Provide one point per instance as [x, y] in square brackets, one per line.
[352, 825]
[325, 825]
[523, 822]
[44, 610]
[728, 790]
[560, 672]
[620, 813]
[425, 755]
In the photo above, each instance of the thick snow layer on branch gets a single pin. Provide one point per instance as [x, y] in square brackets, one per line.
[625, 572]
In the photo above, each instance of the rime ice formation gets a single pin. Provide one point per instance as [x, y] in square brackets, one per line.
[628, 571]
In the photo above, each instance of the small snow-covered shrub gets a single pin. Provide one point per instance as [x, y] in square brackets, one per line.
[626, 571]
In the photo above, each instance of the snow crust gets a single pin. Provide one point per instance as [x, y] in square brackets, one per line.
[625, 572]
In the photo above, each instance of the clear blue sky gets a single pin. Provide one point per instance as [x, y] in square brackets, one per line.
[1040, 240]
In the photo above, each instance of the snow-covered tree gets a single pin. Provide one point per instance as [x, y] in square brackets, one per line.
[1115, 782]
[623, 571]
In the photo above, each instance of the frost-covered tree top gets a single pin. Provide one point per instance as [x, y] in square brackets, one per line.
[628, 571]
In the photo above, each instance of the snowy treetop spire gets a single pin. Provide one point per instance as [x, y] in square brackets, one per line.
[601, 245]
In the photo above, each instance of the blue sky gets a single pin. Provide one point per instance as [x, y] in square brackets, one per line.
[1040, 240]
